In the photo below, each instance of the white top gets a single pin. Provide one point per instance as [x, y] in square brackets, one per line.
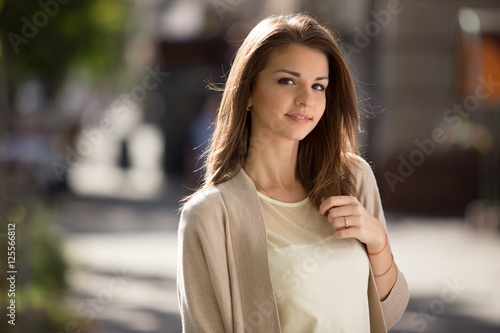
[320, 282]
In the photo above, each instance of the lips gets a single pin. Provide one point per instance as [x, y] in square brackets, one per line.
[299, 117]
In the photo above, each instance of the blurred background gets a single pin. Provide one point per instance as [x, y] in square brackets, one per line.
[105, 111]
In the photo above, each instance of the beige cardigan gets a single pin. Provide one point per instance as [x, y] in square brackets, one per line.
[223, 277]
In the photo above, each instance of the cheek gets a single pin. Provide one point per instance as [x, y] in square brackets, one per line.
[320, 109]
[321, 106]
[264, 97]
[323, 101]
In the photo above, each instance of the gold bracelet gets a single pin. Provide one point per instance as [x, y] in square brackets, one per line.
[387, 271]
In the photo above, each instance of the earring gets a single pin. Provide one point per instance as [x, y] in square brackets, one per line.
[249, 108]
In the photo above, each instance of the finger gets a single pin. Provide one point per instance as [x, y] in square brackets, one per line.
[345, 233]
[342, 221]
[334, 201]
[341, 211]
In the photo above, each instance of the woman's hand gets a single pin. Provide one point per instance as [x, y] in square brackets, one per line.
[367, 229]
[347, 210]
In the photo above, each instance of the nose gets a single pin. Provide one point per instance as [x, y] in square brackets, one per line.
[304, 97]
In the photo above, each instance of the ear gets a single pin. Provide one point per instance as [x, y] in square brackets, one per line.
[249, 102]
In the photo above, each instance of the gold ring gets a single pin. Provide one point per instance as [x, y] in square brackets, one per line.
[345, 221]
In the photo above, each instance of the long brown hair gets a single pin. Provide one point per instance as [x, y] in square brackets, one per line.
[323, 155]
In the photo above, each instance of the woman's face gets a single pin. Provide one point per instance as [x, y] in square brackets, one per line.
[288, 98]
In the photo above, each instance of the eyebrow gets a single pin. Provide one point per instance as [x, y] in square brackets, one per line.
[298, 74]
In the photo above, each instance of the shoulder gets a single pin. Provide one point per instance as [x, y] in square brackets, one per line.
[366, 187]
[202, 200]
[359, 167]
[362, 171]
[205, 206]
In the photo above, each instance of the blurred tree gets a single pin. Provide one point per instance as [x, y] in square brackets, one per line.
[47, 39]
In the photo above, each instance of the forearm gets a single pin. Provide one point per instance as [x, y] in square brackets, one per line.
[383, 267]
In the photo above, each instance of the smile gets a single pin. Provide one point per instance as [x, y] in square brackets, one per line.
[299, 117]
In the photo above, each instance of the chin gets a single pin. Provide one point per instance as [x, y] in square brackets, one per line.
[298, 136]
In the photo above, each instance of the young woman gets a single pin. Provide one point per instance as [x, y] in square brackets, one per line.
[287, 233]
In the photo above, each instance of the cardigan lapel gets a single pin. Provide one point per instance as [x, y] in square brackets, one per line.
[248, 239]
[377, 322]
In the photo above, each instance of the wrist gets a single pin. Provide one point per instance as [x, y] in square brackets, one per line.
[378, 247]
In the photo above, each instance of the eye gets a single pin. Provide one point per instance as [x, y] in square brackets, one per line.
[287, 81]
[318, 87]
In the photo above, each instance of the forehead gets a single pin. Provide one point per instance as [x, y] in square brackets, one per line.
[298, 56]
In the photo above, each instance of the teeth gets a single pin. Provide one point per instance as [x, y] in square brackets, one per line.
[300, 117]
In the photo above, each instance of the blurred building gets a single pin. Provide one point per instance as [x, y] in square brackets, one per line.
[432, 140]
[437, 75]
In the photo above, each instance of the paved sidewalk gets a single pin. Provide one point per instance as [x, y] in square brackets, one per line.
[123, 262]
[453, 274]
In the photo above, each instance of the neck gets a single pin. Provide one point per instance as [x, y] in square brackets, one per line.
[272, 168]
